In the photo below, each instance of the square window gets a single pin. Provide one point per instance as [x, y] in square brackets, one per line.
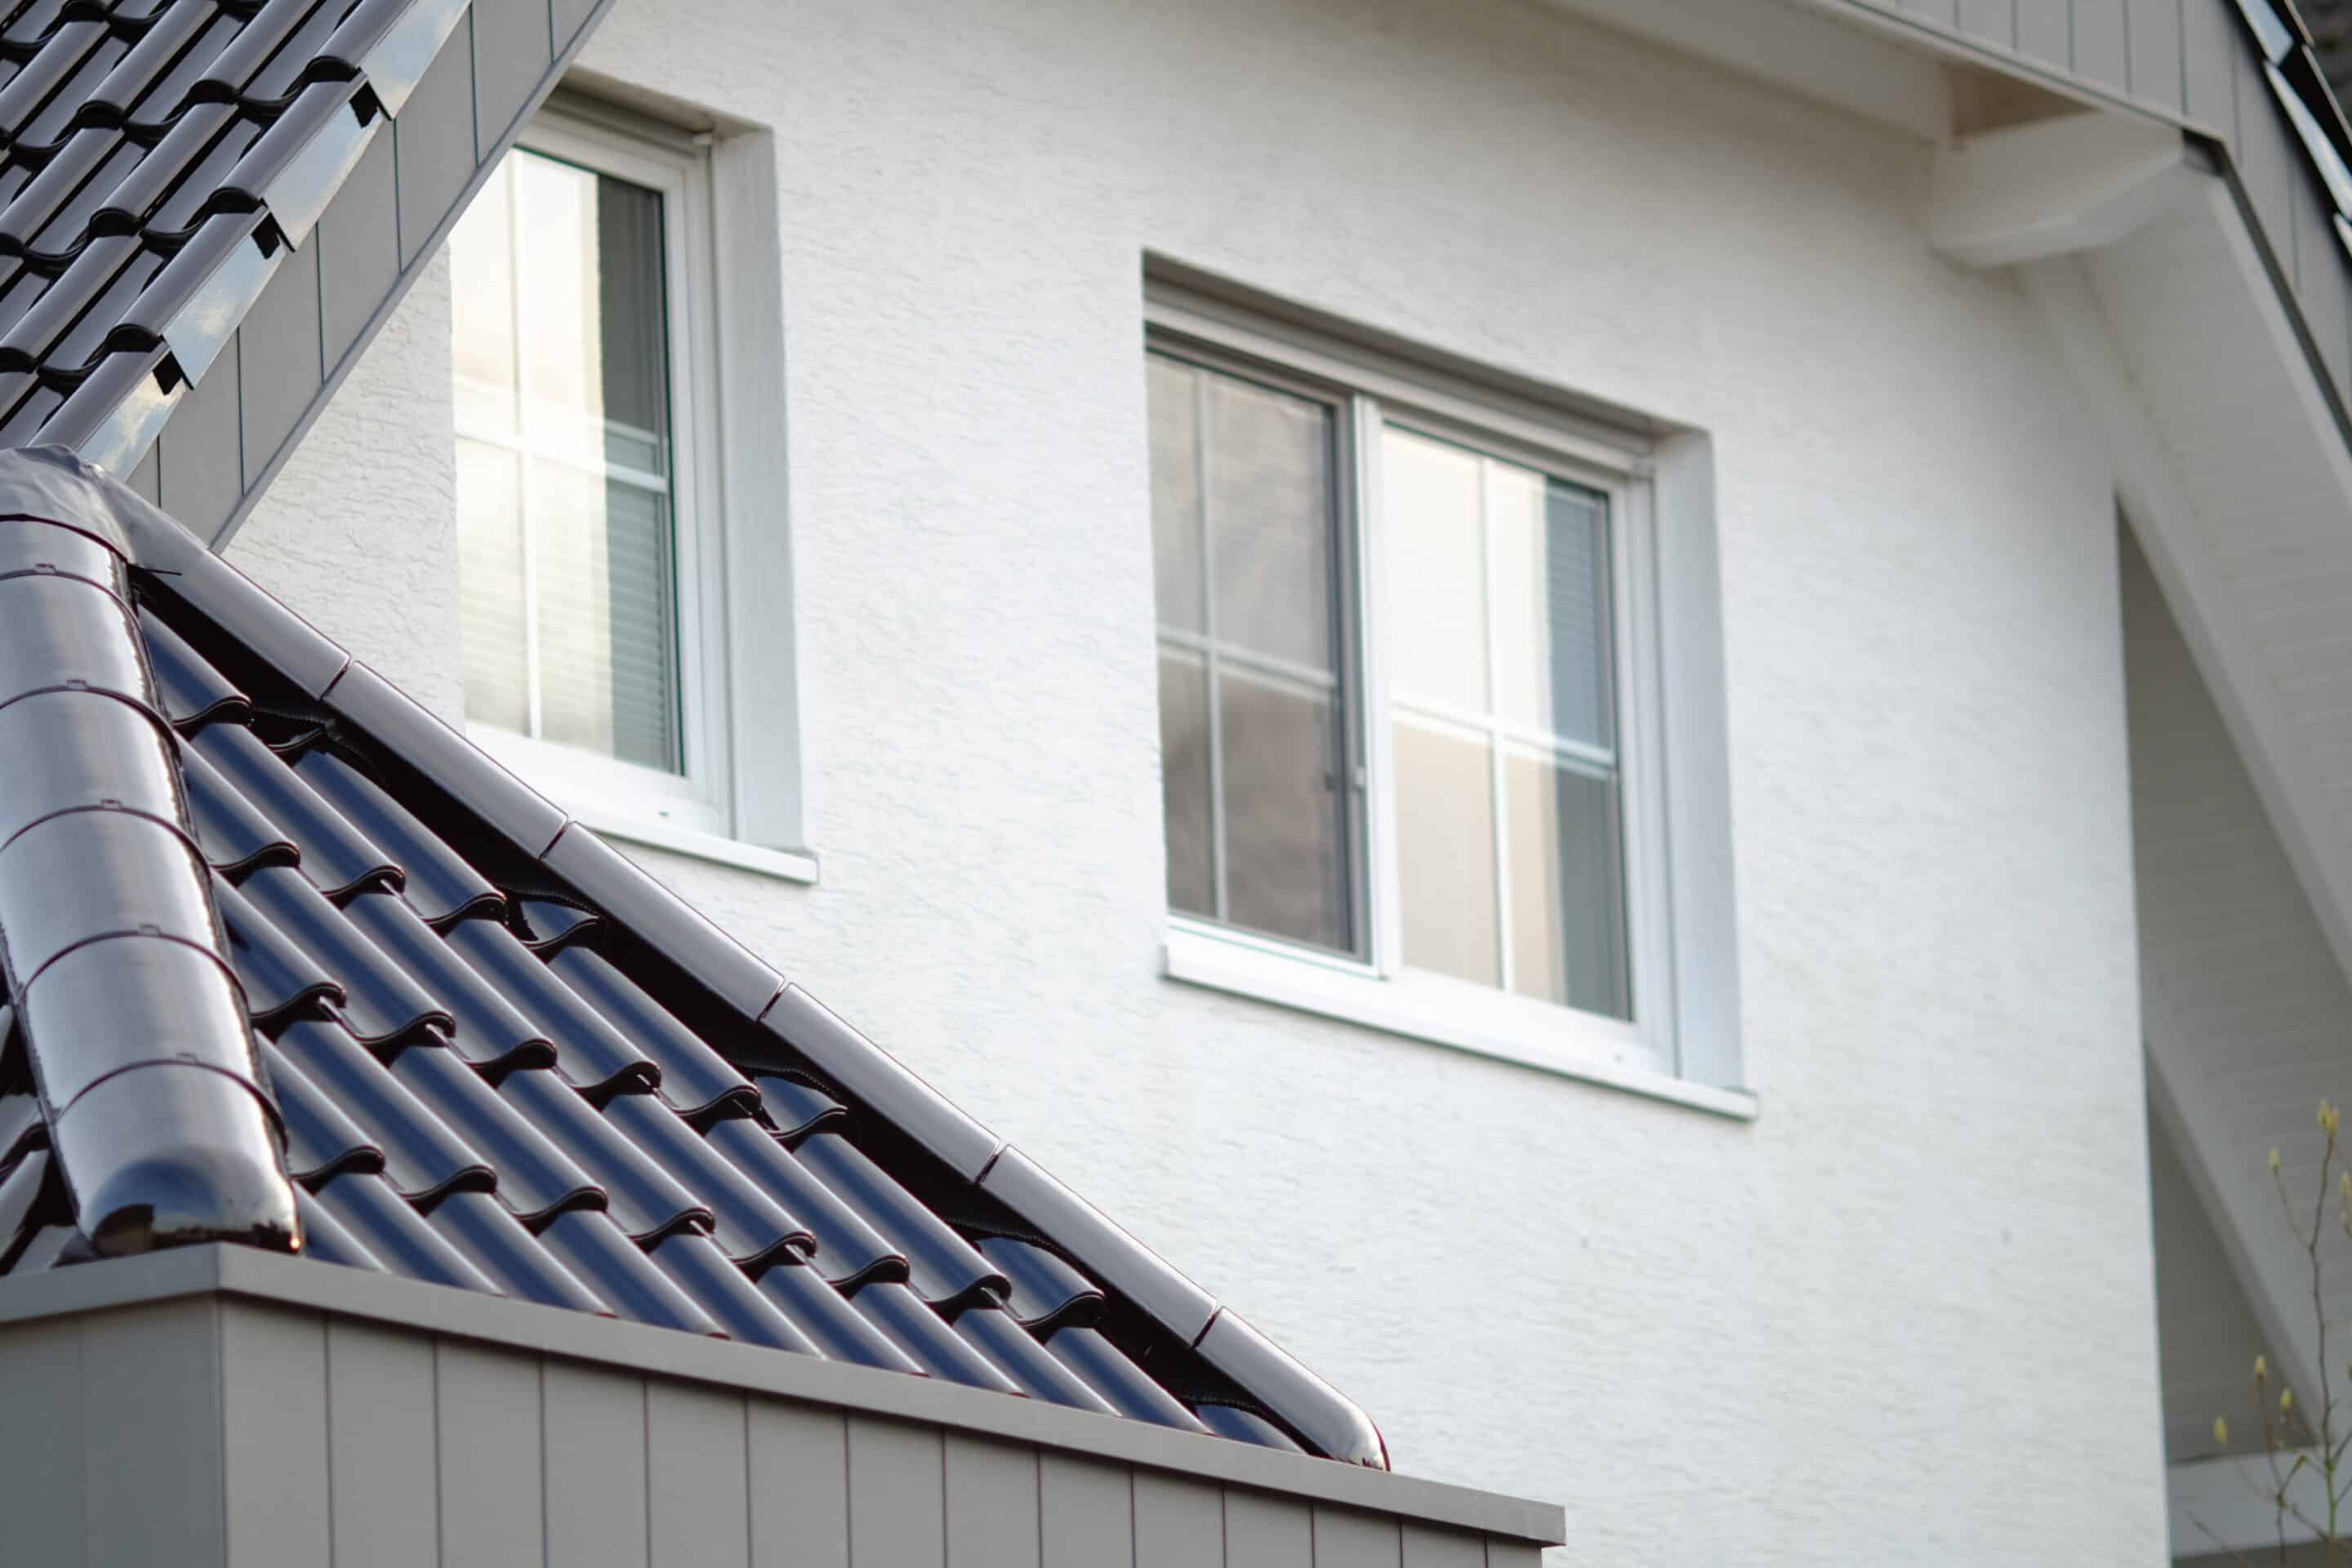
[1411, 725]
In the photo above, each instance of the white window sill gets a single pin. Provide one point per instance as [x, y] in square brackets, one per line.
[1443, 1013]
[786, 865]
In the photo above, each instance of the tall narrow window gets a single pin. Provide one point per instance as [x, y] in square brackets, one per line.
[1254, 699]
[578, 548]
[1399, 701]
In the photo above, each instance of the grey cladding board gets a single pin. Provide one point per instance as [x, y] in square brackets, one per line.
[1991, 22]
[697, 1508]
[42, 1448]
[1179, 1522]
[2101, 54]
[358, 243]
[151, 1380]
[1426, 1546]
[487, 1427]
[1088, 1511]
[1266, 1532]
[2320, 266]
[2266, 161]
[273, 1371]
[799, 1470]
[200, 457]
[279, 368]
[992, 1503]
[2209, 50]
[511, 52]
[2152, 28]
[595, 1458]
[434, 138]
[2045, 34]
[381, 1444]
[1345, 1538]
[1512, 1554]
[897, 1486]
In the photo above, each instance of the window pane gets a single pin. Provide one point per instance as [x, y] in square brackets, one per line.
[594, 366]
[1552, 666]
[482, 307]
[606, 643]
[490, 587]
[1568, 909]
[1184, 780]
[1437, 574]
[1270, 517]
[1285, 871]
[1175, 494]
[1445, 851]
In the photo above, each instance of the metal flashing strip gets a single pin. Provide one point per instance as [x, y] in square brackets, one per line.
[526, 1328]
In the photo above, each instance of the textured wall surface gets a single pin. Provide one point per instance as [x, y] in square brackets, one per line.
[1850, 1331]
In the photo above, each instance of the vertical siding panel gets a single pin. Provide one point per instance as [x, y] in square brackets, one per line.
[1266, 1532]
[897, 1486]
[279, 367]
[381, 1473]
[2152, 27]
[569, 16]
[274, 1444]
[698, 1512]
[594, 1424]
[487, 1427]
[1179, 1522]
[151, 1417]
[358, 241]
[2045, 34]
[41, 1444]
[1426, 1546]
[199, 453]
[992, 1501]
[2208, 44]
[511, 53]
[2319, 262]
[433, 139]
[2264, 159]
[1939, 11]
[1503, 1553]
[2100, 55]
[1088, 1511]
[1990, 21]
[1347, 1539]
[800, 1486]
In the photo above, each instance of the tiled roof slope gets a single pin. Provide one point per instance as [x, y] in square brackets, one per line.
[158, 158]
[502, 1057]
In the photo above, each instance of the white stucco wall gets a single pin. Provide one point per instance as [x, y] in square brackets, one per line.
[1905, 1315]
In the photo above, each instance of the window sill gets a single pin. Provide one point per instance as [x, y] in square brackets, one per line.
[785, 864]
[1571, 1044]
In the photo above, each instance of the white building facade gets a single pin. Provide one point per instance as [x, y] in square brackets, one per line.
[1770, 1184]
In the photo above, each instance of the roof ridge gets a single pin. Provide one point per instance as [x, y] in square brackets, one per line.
[157, 1110]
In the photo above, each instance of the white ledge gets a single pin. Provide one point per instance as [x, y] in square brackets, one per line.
[788, 865]
[1556, 1040]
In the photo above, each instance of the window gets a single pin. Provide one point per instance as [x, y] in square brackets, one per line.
[588, 549]
[1411, 730]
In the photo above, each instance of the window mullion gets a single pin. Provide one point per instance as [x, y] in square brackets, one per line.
[1209, 661]
[1386, 913]
[524, 503]
[1506, 963]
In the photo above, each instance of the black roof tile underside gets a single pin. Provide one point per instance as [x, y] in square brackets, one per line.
[502, 1059]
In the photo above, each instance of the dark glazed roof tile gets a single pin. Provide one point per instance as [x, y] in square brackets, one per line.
[496, 1066]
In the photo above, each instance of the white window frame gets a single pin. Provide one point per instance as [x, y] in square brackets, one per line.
[1375, 391]
[702, 809]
